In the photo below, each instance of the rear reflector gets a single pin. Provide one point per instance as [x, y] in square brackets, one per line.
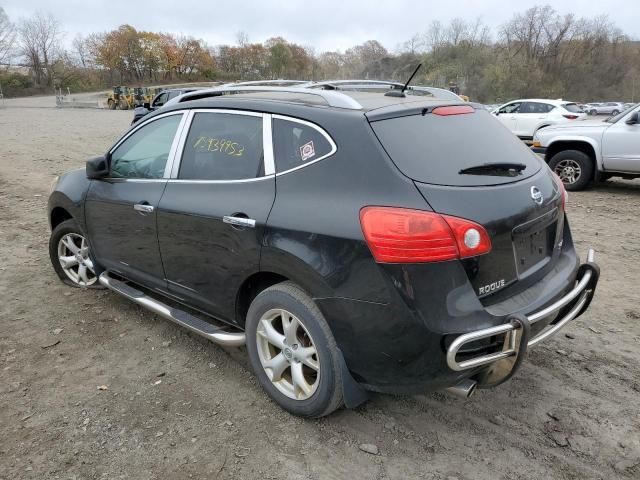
[570, 117]
[563, 191]
[400, 235]
[453, 110]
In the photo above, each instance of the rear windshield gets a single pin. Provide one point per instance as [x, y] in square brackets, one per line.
[434, 149]
[572, 107]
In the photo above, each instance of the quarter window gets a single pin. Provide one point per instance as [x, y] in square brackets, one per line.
[296, 144]
[223, 146]
[144, 153]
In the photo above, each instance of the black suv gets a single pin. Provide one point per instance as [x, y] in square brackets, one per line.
[353, 241]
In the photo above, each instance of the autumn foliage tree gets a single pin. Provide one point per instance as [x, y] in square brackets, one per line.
[537, 53]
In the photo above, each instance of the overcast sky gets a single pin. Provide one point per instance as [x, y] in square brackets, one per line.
[325, 24]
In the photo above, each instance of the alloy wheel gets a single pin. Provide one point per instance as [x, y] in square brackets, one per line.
[288, 354]
[73, 255]
[568, 170]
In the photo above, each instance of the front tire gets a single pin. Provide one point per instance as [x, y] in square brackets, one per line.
[575, 168]
[70, 257]
[293, 353]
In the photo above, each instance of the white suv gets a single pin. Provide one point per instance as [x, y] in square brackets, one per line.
[579, 153]
[525, 117]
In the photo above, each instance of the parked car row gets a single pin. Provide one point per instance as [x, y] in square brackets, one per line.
[582, 153]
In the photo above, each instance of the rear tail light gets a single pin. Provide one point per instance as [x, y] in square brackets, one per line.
[570, 117]
[563, 191]
[399, 235]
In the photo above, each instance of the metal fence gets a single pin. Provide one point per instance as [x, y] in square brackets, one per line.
[66, 100]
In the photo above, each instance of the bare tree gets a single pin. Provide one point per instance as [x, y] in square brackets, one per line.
[413, 45]
[81, 51]
[435, 36]
[242, 38]
[7, 38]
[39, 42]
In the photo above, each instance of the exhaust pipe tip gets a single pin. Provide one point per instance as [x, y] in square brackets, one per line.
[464, 389]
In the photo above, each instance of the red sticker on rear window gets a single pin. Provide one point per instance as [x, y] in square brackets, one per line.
[307, 151]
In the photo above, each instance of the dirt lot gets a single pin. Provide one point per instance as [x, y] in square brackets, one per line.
[176, 406]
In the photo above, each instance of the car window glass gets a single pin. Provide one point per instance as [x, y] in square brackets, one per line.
[535, 107]
[295, 144]
[510, 108]
[160, 100]
[223, 146]
[572, 107]
[144, 154]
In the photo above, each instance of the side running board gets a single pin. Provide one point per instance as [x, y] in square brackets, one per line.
[215, 334]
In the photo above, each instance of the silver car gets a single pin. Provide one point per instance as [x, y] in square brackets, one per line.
[606, 108]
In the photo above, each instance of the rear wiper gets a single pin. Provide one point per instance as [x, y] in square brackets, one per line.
[498, 169]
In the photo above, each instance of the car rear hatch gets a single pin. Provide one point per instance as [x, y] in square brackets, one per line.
[466, 164]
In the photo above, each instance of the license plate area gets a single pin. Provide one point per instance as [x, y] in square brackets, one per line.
[533, 242]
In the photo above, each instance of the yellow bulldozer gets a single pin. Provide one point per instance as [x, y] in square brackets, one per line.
[121, 97]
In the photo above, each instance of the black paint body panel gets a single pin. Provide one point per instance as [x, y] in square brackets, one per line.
[205, 260]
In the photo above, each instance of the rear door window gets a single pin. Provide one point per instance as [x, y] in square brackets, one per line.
[223, 146]
[434, 149]
[535, 107]
[296, 144]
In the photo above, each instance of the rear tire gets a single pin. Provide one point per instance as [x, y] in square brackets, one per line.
[614, 113]
[575, 168]
[293, 353]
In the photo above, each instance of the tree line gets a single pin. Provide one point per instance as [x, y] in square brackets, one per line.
[537, 53]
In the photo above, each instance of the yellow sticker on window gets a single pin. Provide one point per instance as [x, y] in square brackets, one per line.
[222, 145]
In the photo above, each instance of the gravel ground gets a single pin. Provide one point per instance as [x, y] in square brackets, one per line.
[94, 387]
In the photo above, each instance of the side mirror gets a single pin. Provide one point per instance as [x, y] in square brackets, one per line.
[98, 167]
[633, 119]
[146, 105]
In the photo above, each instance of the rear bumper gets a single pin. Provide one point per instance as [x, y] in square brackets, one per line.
[570, 306]
[404, 346]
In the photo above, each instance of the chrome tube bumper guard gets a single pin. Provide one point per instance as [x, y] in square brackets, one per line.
[585, 287]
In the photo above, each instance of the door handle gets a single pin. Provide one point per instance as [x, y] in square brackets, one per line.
[143, 208]
[239, 221]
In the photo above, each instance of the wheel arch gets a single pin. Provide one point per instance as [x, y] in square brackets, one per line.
[544, 125]
[58, 215]
[585, 145]
[251, 288]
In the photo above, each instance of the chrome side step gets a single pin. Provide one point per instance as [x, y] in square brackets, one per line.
[211, 332]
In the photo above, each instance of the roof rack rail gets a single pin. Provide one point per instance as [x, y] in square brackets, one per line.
[281, 82]
[336, 84]
[333, 99]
